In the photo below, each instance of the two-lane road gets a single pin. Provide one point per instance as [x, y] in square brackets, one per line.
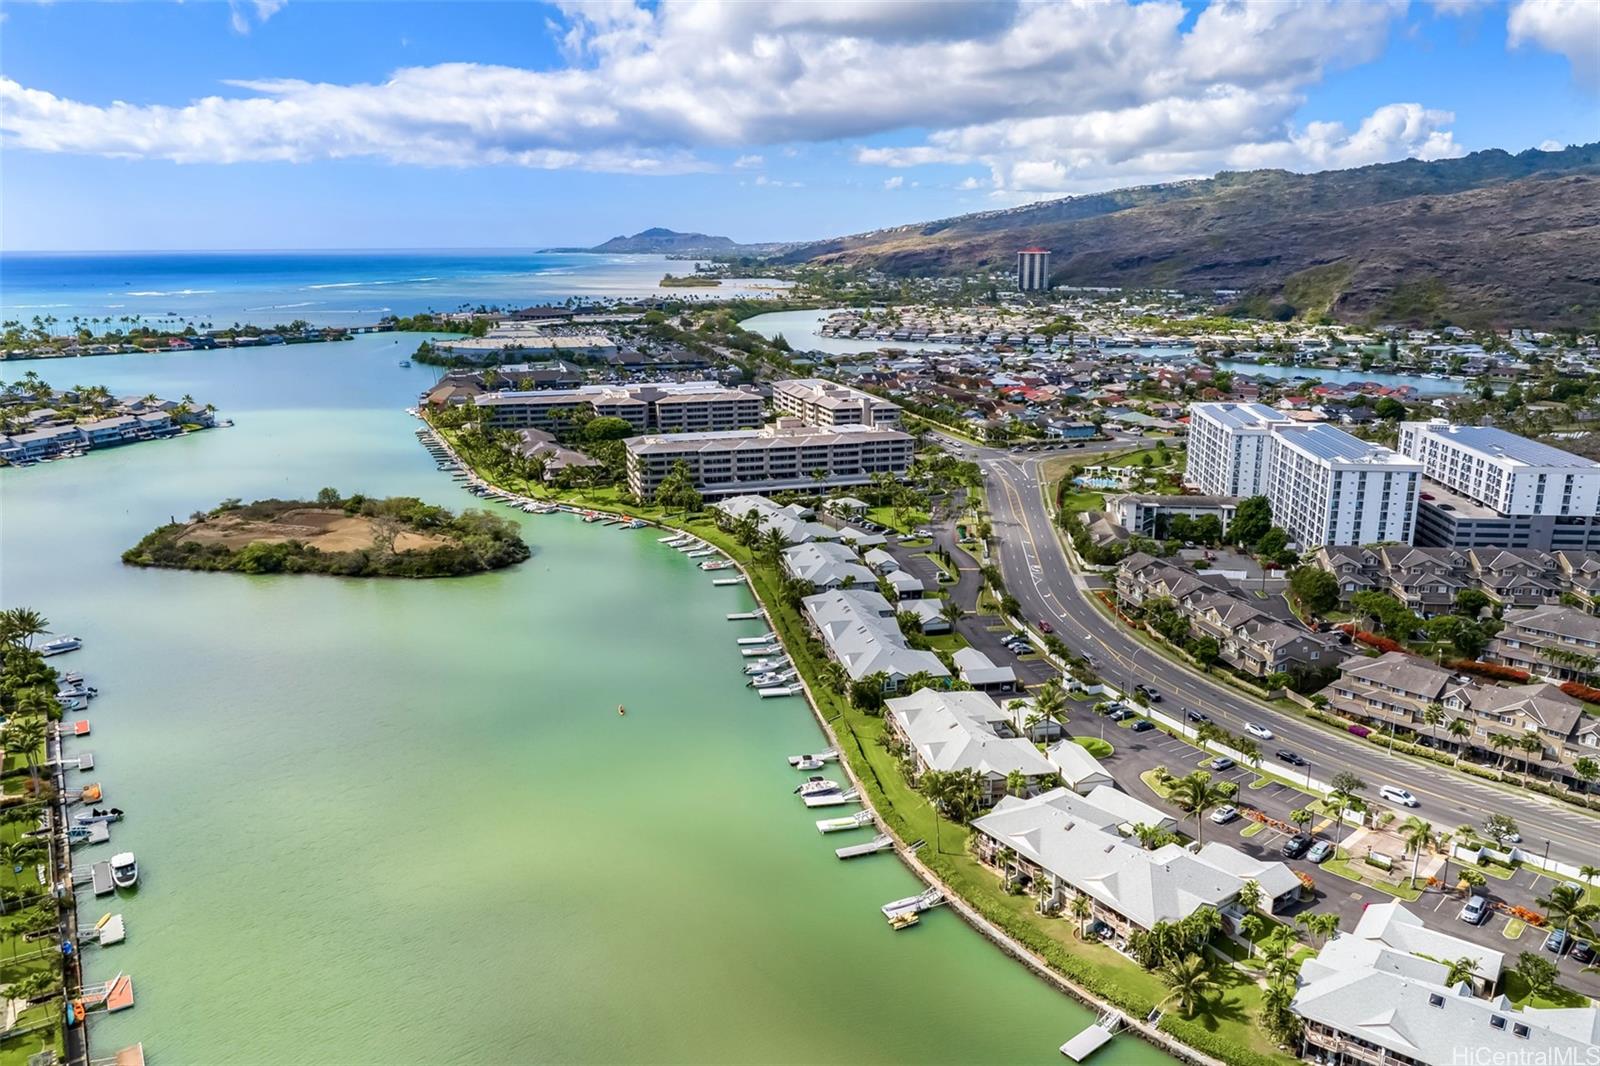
[1037, 573]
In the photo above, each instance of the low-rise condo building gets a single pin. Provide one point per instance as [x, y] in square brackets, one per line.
[860, 630]
[965, 731]
[1550, 641]
[682, 407]
[827, 403]
[785, 455]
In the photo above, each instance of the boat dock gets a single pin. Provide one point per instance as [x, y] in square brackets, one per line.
[723, 582]
[1093, 1038]
[100, 875]
[849, 821]
[116, 994]
[913, 904]
[760, 652]
[775, 692]
[744, 616]
[831, 755]
[108, 930]
[89, 833]
[86, 761]
[80, 728]
[881, 842]
[832, 799]
[765, 638]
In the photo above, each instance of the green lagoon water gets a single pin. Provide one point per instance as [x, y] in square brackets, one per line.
[402, 822]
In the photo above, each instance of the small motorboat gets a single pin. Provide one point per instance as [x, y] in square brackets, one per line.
[816, 786]
[810, 762]
[903, 920]
[97, 814]
[621, 709]
[124, 870]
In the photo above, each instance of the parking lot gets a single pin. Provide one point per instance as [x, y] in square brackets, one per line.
[1137, 753]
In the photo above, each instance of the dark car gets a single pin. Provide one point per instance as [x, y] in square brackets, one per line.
[1121, 714]
[1046, 627]
[1296, 846]
[1141, 725]
[1285, 755]
[1221, 762]
[1196, 716]
[1583, 952]
[1148, 693]
[1557, 941]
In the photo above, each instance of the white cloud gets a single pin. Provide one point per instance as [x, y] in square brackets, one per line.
[970, 183]
[1053, 94]
[1550, 146]
[239, 12]
[893, 183]
[1569, 27]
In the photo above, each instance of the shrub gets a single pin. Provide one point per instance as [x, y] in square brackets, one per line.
[1580, 691]
[1359, 730]
[1491, 670]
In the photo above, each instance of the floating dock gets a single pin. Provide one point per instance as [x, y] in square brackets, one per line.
[129, 1056]
[881, 842]
[100, 874]
[849, 821]
[765, 638]
[1093, 1038]
[86, 761]
[109, 930]
[723, 582]
[80, 728]
[777, 691]
[913, 904]
[760, 653]
[744, 616]
[831, 755]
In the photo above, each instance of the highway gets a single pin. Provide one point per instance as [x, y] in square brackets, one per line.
[1037, 573]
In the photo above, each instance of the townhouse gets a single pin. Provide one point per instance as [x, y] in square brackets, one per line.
[1550, 641]
[1427, 580]
[1248, 638]
[859, 629]
[827, 565]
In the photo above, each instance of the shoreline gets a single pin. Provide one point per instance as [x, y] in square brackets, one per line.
[1159, 1039]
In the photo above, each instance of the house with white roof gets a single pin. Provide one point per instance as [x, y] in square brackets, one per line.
[793, 522]
[965, 731]
[1375, 999]
[979, 671]
[827, 565]
[859, 628]
[1079, 770]
[905, 586]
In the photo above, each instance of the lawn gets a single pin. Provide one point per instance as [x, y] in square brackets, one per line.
[20, 957]
[1518, 992]
[1100, 749]
[1372, 877]
[885, 516]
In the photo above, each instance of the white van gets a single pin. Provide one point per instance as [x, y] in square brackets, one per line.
[1398, 795]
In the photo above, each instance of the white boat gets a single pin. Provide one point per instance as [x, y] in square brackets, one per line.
[762, 652]
[89, 817]
[124, 870]
[717, 564]
[637, 523]
[816, 786]
[766, 666]
[821, 756]
[809, 762]
[849, 821]
[60, 646]
[913, 904]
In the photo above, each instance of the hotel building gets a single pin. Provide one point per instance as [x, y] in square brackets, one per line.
[1490, 488]
[826, 403]
[786, 455]
[1033, 270]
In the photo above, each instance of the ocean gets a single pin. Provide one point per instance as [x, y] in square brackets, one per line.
[335, 288]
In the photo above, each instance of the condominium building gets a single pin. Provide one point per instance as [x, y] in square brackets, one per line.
[1490, 488]
[1033, 270]
[786, 455]
[1228, 445]
[1327, 487]
[674, 407]
[827, 403]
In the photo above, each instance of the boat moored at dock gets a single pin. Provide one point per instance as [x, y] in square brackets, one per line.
[849, 821]
[124, 869]
[913, 904]
[60, 646]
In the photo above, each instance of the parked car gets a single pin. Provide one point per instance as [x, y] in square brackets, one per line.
[1557, 941]
[1475, 911]
[1196, 716]
[1292, 758]
[1225, 814]
[1320, 851]
[1296, 846]
[1221, 762]
[1046, 627]
[1396, 794]
[1142, 725]
[1583, 952]
[1121, 714]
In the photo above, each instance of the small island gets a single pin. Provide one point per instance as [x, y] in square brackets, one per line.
[351, 536]
[690, 281]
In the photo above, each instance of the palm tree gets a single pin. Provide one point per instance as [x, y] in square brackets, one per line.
[1189, 981]
[951, 611]
[1017, 783]
[835, 676]
[1344, 797]
[1500, 742]
[1251, 926]
[1198, 796]
[1462, 969]
[19, 625]
[1531, 746]
[1418, 834]
[1432, 715]
[27, 736]
[1459, 728]
[1082, 908]
[1250, 896]
[1589, 873]
[1051, 701]
[1569, 911]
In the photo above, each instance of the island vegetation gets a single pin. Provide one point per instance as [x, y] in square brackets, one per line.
[689, 281]
[352, 536]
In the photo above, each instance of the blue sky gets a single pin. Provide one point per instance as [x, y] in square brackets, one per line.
[262, 124]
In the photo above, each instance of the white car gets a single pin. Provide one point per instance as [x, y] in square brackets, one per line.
[1224, 815]
[1258, 730]
[1394, 794]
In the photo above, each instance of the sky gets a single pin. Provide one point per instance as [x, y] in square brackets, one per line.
[305, 124]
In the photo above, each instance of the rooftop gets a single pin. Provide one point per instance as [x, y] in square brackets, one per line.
[1240, 415]
[1495, 443]
[1331, 444]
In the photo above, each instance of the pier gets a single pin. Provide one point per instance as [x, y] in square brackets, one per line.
[832, 799]
[725, 581]
[849, 821]
[881, 842]
[1093, 1038]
